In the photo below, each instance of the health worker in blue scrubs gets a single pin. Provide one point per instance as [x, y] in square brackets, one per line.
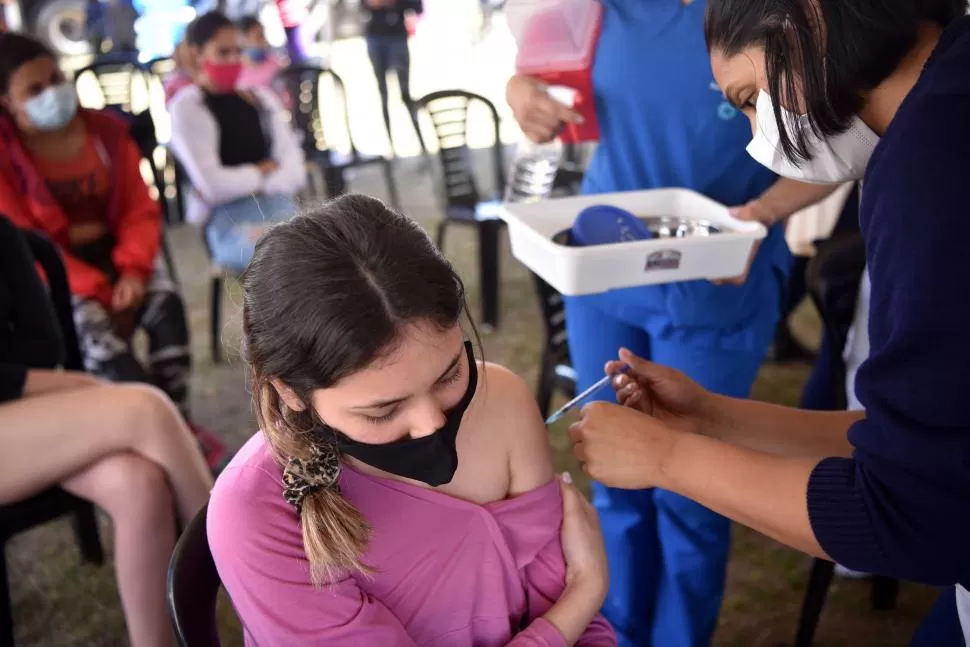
[664, 122]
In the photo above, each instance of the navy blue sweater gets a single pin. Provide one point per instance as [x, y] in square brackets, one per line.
[901, 506]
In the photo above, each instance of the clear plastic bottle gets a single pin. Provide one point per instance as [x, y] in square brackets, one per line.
[535, 166]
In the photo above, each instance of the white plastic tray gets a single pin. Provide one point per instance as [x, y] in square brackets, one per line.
[600, 268]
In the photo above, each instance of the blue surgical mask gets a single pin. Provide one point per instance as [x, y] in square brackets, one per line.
[54, 108]
[256, 54]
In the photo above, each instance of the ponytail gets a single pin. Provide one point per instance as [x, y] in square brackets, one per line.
[335, 534]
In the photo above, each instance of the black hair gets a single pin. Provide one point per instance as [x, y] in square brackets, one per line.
[246, 23]
[16, 50]
[205, 27]
[866, 42]
[328, 293]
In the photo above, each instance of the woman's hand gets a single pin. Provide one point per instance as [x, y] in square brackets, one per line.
[129, 293]
[587, 576]
[662, 392]
[621, 447]
[267, 166]
[539, 116]
[582, 541]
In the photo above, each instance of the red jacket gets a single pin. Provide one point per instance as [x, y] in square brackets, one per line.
[133, 216]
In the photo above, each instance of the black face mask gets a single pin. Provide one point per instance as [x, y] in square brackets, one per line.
[432, 459]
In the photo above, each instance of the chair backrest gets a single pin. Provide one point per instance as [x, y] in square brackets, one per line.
[307, 85]
[449, 110]
[159, 67]
[553, 317]
[47, 256]
[117, 80]
[193, 584]
[833, 279]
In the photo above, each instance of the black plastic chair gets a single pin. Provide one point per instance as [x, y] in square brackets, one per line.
[117, 80]
[459, 197]
[305, 84]
[141, 127]
[51, 504]
[193, 585]
[834, 276]
[555, 370]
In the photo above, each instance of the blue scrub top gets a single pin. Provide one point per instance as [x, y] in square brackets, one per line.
[665, 123]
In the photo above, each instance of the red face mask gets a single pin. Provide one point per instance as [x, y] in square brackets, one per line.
[222, 75]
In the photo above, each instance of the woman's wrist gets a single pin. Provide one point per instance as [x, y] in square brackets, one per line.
[575, 609]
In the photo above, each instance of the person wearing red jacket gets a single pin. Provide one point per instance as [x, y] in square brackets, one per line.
[74, 175]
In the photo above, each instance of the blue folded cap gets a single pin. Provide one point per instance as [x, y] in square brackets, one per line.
[602, 224]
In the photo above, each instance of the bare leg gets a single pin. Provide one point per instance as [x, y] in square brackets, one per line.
[134, 492]
[46, 439]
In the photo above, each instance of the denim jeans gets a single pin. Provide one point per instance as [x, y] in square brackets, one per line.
[234, 227]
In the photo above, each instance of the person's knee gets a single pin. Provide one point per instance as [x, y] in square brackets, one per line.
[135, 489]
[144, 409]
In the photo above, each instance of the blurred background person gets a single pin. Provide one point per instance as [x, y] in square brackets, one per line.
[75, 175]
[184, 73]
[241, 156]
[387, 47]
[260, 63]
[124, 448]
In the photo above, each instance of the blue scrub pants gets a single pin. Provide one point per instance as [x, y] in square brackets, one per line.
[667, 554]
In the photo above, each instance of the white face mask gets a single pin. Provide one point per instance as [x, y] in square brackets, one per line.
[842, 158]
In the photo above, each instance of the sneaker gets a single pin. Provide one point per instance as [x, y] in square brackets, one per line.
[216, 453]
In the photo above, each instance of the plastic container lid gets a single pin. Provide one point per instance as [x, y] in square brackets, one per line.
[603, 224]
[553, 34]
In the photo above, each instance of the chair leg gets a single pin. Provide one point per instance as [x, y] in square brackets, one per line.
[215, 316]
[391, 185]
[86, 529]
[818, 588]
[6, 610]
[169, 259]
[488, 250]
[547, 383]
[884, 593]
[336, 183]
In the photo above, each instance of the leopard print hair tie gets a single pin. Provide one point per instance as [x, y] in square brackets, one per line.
[303, 477]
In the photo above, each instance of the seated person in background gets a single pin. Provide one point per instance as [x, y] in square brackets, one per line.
[260, 64]
[182, 76]
[239, 152]
[422, 497]
[124, 448]
[75, 175]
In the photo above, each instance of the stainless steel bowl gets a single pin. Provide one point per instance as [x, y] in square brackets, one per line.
[663, 227]
[680, 227]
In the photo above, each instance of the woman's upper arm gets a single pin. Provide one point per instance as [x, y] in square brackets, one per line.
[257, 546]
[530, 461]
[195, 142]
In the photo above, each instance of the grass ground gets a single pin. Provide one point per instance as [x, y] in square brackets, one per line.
[58, 601]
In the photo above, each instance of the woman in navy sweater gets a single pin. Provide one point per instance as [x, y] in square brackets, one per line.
[836, 90]
[123, 447]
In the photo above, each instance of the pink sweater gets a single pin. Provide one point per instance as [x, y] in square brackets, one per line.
[450, 573]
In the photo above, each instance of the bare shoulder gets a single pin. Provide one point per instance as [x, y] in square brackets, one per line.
[508, 406]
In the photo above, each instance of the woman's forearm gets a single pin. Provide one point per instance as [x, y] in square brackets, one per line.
[782, 431]
[575, 609]
[764, 492]
[786, 197]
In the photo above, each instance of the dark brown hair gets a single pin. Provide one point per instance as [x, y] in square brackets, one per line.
[327, 294]
[866, 40]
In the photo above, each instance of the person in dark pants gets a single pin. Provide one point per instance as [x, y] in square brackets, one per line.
[387, 47]
[786, 347]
